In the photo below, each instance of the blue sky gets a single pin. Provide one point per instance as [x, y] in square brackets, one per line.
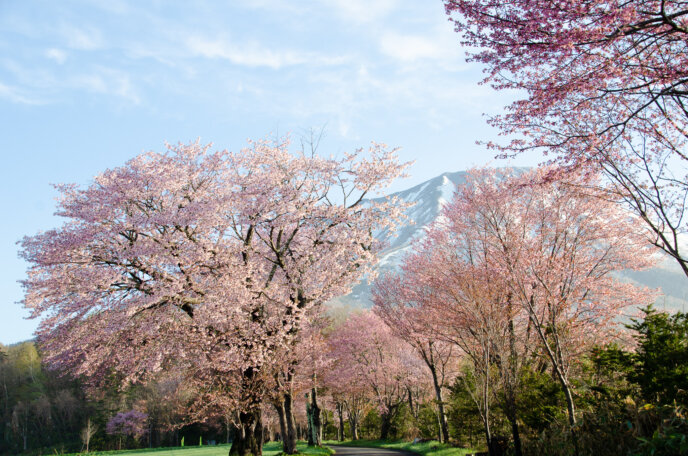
[86, 84]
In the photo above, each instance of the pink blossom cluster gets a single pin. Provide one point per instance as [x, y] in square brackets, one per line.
[602, 87]
[131, 424]
[209, 264]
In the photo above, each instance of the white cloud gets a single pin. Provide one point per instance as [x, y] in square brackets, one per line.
[84, 39]
[91, 83]
[362, 10]
[409, 48]
[253, 54]
[351, 10]
[109, 82]
[439, 44]
[14, 95]
[110, 6]
[58, 55]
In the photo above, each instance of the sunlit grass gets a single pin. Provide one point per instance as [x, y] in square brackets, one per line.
[269, 449]
[431, 448]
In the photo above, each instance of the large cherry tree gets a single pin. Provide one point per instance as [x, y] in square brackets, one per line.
[603, 85]
[205, 262]
[554, 248]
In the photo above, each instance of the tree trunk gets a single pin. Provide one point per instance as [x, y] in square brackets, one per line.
[439, 429]
[309, 423]
[511, 409]
[248, 440]
[387, 418]
[488, 437]
[444, 426]
[227, 424]
[572, 413]
[324, 416]
[569, 402]
[410, 403]
[279, 408]
[340, 412]
[353, 424]
[486, 401]
[511, 416]
[386, 426]
[314, 423]
[289, 438]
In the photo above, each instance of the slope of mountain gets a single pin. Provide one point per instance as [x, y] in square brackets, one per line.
[429, 198]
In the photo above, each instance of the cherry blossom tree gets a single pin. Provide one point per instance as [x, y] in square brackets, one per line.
[546, 253]
[350, 394]
[511, 271]
[368, 353]
[605, 84]
[467, 302]
[400, 300]
[127, 424]
[205, 262]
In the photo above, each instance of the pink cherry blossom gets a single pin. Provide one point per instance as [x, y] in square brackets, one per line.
[208, 263]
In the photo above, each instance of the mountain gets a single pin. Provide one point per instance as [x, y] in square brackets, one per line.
[431, 195]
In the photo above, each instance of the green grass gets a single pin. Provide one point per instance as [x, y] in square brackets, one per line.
[269, 449]
[432, 448]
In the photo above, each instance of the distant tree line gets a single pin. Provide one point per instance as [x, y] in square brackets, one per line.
[42, 411]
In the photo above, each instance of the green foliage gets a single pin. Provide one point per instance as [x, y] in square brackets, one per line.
[428, 425]
[540, 402]
[404, 425]
[369, 428]
[661, 360]
[430, 448]
[602, 431]
[671, 436]
[38, 408]
[465, 425]
[608, 373]
[610, 422]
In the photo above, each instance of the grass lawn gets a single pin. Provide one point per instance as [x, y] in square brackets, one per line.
[432, 448]
[269, 449]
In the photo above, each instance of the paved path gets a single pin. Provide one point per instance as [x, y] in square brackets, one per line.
[361, 451]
